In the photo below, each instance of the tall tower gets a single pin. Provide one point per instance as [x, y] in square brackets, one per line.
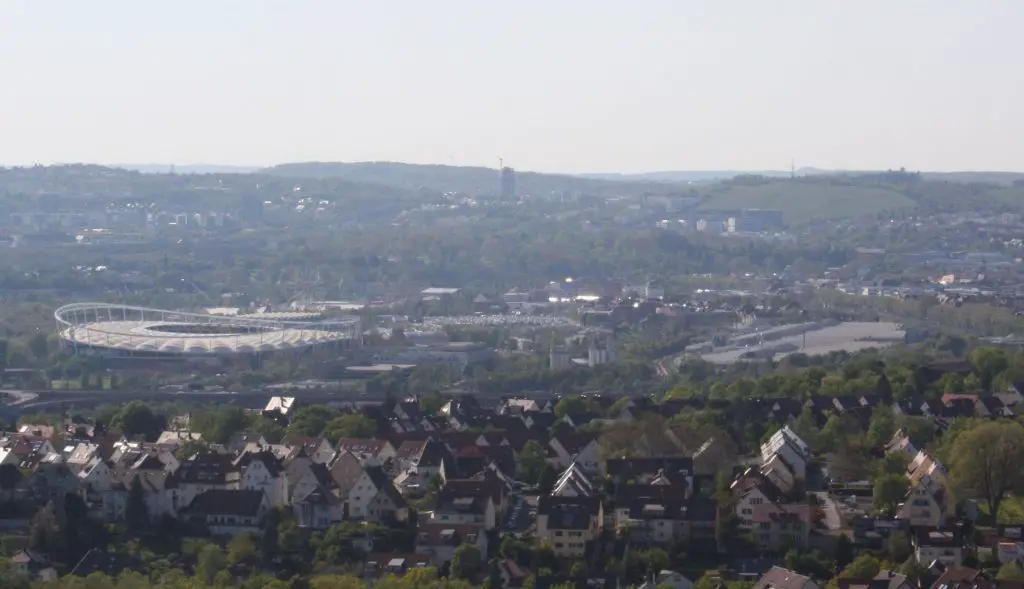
[508, 183]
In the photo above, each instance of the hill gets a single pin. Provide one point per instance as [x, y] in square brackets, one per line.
[805, 199]
[465, 179]
[187, 168]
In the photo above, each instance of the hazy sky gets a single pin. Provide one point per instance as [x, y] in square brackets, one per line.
[554, 85]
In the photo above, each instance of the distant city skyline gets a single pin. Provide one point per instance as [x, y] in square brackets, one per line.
[574, 86]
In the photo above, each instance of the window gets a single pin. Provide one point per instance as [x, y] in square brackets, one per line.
[757, 500]
[766, 526]
[558, 534]
[746, 511]
[558, 545]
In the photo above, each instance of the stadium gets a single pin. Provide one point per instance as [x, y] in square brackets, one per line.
[120, 331]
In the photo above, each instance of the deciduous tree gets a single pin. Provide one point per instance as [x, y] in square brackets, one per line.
[986, 461]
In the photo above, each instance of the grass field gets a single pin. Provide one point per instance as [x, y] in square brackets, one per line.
[800, 202]
[1011, 510]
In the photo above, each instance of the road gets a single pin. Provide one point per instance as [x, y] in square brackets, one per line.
[832, 519]
[42, 399]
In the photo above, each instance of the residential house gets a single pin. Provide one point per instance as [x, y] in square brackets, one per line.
[569, 523]
[438, 540]
[780, 578]
[204, 472]
[883, 580]
[516, 406]
[660, 520]
[363, 448]
[466, 504]
[776, 526]
[176, 439]
[751, 490]
[279, 408]
[578, 448]
[261, 471]
[512, 575]
[965, 578]
[790, 448]
[309, 492]
[1009, 545]
[247, 442]
[875, 532]
[381, 564]
[922, 507]
[945, 545]
[32, 565]
[673, 469]
[573, 482]
[373, 497]
[318, 449]
[228, 512]
[667, 580]
[430, 461]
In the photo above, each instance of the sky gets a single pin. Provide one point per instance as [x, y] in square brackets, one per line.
[549, 85]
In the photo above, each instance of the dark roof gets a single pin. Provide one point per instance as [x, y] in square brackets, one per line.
[671, 466]
[271, 462]
[382, 481]
[951, 536]
[228, 502]
[206, 468]
[961, 578]
[345, 470]
[540, 421]
[577, 581]
[464, 496]
[434, 453]
[568, 513]
[780, 578]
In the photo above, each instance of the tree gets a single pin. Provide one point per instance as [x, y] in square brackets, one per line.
[210, 562]
[899, 546]
[986, 460]
[351, 425]
[548, 478]
[138, 419]
[850, 461]
[269, 539]
[44, 534]
[888, 492]
[884, 389]
[844, 551]
[570, 405]
[136, 514]
[864, 566]
[39, 346]
[530, 462]
[883, 426]
[912, 569]
[241, 548]
[1010, 571]
[310, 421]
[467, 563]
[726, 524]
[989, 362]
